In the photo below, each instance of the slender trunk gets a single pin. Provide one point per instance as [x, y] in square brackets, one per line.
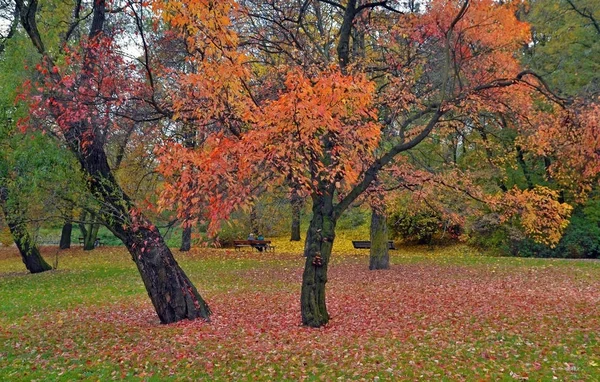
[524, 167]
[65, 236]
[89, 240]
[186, 239]
[319, 242]
[30, 254]
[254, 221]
[296, 202]
[82, 229]
[379, 256]
[189, 142]
[343, 47]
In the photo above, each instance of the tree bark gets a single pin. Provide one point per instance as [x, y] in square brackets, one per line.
[343, 46]
[30, 254]
[186, 239]
[318, 246]
[379, 256]
[296, 202]
[172, 293]
[65, 236]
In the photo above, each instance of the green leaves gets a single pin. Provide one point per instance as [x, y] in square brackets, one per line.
[566, 48]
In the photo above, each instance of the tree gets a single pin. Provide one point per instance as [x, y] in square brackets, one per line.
[85, 101]
[565, 46]
[300, 112]
[30, 254]
[12, 170]
[379, 257]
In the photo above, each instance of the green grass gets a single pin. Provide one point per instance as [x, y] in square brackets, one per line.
[439, 314]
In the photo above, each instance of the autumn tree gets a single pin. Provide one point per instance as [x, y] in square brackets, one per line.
[306, 91]
[556, 147]
[84, 101]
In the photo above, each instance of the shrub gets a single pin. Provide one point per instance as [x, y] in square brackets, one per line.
[581, 238]
[419, 228]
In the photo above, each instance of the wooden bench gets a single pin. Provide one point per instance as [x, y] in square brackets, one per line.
[97, 244]
[358, 244]
[260, 245]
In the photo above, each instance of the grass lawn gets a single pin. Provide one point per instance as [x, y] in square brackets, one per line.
[443, 314]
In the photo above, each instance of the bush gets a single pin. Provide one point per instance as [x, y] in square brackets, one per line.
[419, 228]
[354, 218]
[581, 238]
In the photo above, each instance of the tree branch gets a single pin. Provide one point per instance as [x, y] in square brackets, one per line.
[334, 4]
[373, 170]
[586, 14]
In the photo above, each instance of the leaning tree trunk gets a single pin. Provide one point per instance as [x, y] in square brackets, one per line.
[318, 246]
[296, 202]
[30, 254]
[172, 293]
[65, 236]
[379, 256]
[186, 239]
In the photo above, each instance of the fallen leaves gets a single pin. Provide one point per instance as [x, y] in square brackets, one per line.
[434, 315]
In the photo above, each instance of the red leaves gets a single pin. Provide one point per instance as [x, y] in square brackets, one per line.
[447, 313]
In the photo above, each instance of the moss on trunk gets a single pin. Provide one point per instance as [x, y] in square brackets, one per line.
[379, 256]
[319, 243]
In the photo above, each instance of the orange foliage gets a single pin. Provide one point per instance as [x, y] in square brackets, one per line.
[320, 129]
[572, 137]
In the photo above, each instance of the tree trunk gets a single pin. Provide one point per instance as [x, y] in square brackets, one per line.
[65, 236]
[379, 256]
[186, 239]
[254, 226]
[30, 254]
[89, 240]
[319, 242]
[296, 202]
[172, 293]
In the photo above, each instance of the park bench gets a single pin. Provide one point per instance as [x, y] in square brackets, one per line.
[260, 245]
[358, 244]
[97, 244]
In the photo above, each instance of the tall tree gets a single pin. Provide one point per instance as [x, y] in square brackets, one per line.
[85, 101]
[306, 105]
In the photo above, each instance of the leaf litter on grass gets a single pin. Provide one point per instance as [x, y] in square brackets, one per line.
[427, 318]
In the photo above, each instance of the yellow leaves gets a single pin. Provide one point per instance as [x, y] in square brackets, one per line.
[5, 237]
[542, 216]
